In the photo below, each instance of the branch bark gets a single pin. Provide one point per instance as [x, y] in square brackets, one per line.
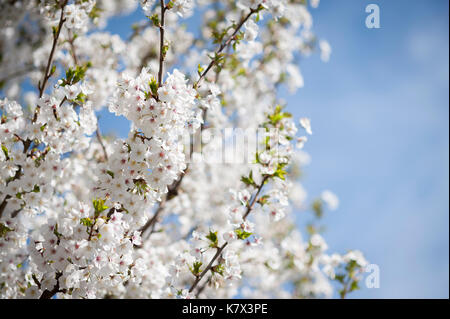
[48, 294]
[50, 58]
[161, 44]
[100, 140]
[47, 75]
[223, 45]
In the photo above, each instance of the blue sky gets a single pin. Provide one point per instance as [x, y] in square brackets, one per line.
[379, 111]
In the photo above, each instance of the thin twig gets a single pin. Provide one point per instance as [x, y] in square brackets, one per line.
[72, 48]
[50, 58]
[161, 44]
[100, 140]
[250, 207]
[223, 45]
[221, 248]
[172, 192]
[47, 75]
[44, 81]
[153, 220]
[203, 273]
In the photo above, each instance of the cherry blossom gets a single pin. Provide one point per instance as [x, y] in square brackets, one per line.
[149, 214]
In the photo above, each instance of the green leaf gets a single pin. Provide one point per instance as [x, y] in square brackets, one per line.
[155, 19]
[55, 231]
[86, 222]
[195, 270]
[154, 87]
[280, 172]
[4, 230]
[110, 173]
[248, 180]
[263, 200]
[218, 269]
[317, 207]
[278, 115]
[75, 75]
[141, 186]
[80, 99]
[99, 206]
[212, 236]
[5, 151]
[165, 48]
[53, 69]
[200, 69]
[354, 286]
[95, 13]
[242, 234]
[340, 278]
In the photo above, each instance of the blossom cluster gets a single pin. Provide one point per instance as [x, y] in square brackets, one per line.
[83, 215]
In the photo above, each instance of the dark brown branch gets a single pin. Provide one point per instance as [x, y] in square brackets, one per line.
[250, 207]
[202, 287]
[47, 73]
[152, 221]
[172, 192]
[221, 248]
[223, 45]
[72, 48]
[100, 140]
[205, 271]
[152, 54]
[50, 58]
[48, 294]
[3, 204]
[161, 44]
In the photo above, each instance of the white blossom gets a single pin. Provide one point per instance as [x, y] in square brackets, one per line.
[142, 215]
[306, 124]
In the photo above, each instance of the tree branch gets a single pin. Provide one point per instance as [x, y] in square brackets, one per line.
[205, 271]
[221, 248]
[100, 140]
[161, 44]
[50, 58]
[223, 45]
[174, 191]
[48, 294]
[3, 204]
[72, 48]
[202, 287]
